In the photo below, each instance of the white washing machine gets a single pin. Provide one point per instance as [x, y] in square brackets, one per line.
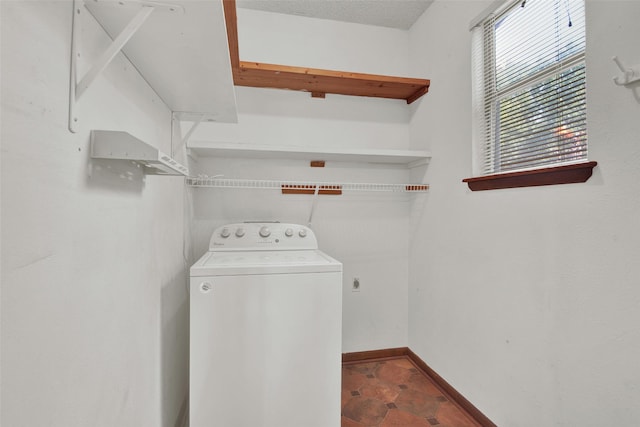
[266, 330]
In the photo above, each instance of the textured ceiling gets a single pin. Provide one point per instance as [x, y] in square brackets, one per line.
[385, 13]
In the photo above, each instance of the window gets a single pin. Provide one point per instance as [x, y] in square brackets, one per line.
[530, 86]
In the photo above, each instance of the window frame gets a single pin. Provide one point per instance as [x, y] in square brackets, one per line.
[559, 173]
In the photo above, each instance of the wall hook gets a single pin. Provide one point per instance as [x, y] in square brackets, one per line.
[629, 75]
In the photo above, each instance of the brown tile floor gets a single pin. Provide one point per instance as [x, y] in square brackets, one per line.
[394, 393]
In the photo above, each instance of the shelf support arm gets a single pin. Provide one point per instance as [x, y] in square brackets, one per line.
[77, 89]
[111, 52]
[185, 138]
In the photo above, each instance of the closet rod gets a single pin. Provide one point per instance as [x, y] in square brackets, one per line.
[278, 185]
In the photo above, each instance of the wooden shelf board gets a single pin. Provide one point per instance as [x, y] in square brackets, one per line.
[316, 81]
[320, 81]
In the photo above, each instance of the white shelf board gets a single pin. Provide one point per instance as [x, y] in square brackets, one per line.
[408, 158]
[183, 55]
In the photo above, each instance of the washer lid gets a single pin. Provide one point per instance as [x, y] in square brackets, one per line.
[264, 262]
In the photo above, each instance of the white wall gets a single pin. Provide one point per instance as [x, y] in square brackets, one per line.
[94, 308]
[366, 231]
[526, 300]
[319, 43]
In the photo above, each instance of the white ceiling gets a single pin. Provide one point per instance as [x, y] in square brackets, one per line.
[385, 13]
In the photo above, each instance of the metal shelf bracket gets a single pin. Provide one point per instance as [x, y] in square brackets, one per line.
[77, 89]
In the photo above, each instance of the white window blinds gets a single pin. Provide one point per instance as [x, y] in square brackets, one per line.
[529, 86]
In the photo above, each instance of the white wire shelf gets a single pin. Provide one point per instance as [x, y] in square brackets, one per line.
[304, 186]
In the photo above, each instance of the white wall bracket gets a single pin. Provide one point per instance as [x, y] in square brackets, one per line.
[197, 119]
[115, 145]
[77, 89]
[629, 74]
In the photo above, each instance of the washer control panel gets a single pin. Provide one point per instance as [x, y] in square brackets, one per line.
[254, 236]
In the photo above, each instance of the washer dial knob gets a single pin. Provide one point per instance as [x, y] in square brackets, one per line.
[302, 233]
[225, 233]
[265, 232]
[240, 232]
[288, 232]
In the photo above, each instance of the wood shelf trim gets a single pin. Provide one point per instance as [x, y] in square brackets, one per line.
[331, 190]
[316, 81]
[231, 22]
[567, 174]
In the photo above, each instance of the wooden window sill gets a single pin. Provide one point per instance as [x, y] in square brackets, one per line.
[567, 174]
